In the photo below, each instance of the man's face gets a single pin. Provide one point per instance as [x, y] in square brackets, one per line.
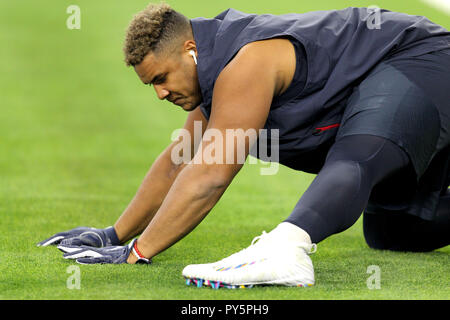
[174, 77]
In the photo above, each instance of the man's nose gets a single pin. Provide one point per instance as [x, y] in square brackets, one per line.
[161, 92]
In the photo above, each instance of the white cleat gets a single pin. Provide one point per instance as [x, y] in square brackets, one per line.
[271, 259]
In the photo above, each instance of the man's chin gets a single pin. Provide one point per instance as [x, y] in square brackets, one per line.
[188, 107]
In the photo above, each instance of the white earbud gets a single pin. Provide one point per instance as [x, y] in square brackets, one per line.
[192, 53]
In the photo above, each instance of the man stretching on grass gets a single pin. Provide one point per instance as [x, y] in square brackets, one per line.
[360, 97]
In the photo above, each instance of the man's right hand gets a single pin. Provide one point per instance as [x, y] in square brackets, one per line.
[84, 236]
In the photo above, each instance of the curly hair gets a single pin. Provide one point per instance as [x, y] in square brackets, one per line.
[154, 29]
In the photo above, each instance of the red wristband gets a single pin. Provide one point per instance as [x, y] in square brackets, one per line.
[138, 254]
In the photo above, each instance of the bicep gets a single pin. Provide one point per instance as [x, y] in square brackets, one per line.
[243, 93]
[241, 102]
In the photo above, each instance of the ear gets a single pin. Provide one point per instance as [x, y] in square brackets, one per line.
[190, 45]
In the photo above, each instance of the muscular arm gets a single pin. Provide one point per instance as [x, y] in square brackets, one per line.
[155, 186]
[242, 97]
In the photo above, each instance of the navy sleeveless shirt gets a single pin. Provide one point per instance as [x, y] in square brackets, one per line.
[334, 50]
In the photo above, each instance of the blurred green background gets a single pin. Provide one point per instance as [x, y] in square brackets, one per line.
[78, 132]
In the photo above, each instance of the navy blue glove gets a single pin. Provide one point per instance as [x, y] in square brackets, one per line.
[110, 255]
[84, 236]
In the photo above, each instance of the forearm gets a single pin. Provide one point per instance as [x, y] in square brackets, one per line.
[148, 198]
[194, 193]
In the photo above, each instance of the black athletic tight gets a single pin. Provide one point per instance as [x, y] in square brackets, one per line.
[340, 192]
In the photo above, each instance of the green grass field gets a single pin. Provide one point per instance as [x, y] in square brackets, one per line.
[78, 131]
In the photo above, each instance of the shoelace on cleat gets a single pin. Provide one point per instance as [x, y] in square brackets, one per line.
[252, 246]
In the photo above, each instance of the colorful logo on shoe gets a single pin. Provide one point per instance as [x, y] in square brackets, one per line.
[240, 265]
